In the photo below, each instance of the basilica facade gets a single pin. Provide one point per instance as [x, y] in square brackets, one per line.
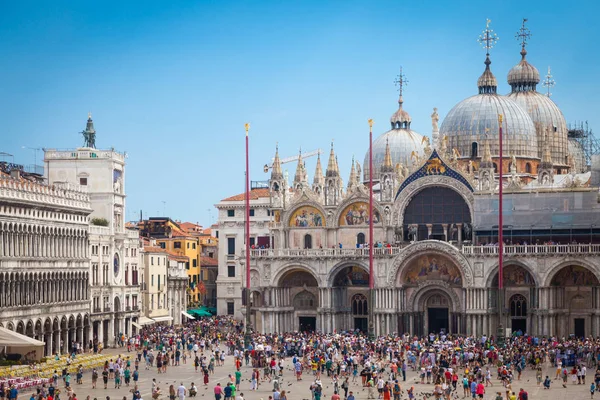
[436, 228]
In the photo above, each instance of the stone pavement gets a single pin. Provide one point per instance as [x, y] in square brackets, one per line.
[299, 390]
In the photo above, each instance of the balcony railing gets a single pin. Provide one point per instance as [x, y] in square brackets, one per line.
[534, 249]
[481, 250]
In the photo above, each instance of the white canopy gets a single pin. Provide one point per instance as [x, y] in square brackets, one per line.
[187, 315]
[13, 339]
[146, 321]
[163, 319]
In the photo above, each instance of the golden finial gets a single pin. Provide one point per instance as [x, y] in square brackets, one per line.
[247, 127]
[370, 124]
[500, 118]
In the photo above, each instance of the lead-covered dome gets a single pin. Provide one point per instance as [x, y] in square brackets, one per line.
[547, 118]
[402, 141]
[474, 121]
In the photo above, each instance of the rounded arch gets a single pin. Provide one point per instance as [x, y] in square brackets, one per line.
[430, 247]
[490, 279]
[298, 277]
[305, 300]
[418, 298]
[360, 199]
[294, 266]
[552, 271]
[404, 197]
[341, 266]
[296, 212]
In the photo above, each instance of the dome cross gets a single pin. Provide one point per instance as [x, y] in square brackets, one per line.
[488, 37]
[401, 81]
[523, 34]
[549, 83]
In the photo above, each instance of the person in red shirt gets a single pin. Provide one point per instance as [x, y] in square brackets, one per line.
[335, 396]
[238, 363]
[480, 390]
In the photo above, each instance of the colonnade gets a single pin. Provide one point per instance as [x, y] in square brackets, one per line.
[30, 240]
[19, 289]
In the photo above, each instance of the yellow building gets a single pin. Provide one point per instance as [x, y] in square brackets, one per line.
[175, 239]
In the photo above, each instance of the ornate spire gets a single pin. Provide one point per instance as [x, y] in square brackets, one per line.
[523, 77]
[400, 119]
[547, 154]
[300, 177]
[487, 83]
[332, 169]
[486, 161]
[318, 179]
[276, 173]
[352, 180]
[387, 159]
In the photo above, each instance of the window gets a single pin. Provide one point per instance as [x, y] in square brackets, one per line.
[187, 265]
[230, 308]
[177, 245]
[83, 181]
[518, 306]
[217, 234]
[162, 245]
[252, 241]
[359, 304]
[152, 280]
[194, 263]
[268, 213]
[528, 168]
[193, 245]
[188, 245]
[231, 271]
[158, 282]
[307, 241]
[360, 238]
[231, 213]
[474, 150]
[231, 245]
[252, 212]
[151, 260]
[152, 302]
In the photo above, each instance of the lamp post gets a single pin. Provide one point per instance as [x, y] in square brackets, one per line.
[500, 333]
[371, 214]
[248, 333]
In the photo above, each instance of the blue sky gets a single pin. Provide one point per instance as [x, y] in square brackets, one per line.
[172, 83]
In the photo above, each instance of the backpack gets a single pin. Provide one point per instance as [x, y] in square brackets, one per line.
[525, 396]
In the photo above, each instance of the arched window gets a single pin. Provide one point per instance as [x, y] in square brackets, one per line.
[307, 241]
[474, 149]
[518, 306]
[360, 238]
[304, 300]
[528, 168]
[495, 168]
[360, 304]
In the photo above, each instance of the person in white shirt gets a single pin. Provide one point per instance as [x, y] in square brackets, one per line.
[181, 391]
[240, 396]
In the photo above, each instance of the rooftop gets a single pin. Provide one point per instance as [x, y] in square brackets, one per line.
[255, 194]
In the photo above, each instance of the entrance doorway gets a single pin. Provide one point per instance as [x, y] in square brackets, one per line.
[579, 327]
[361, 324]
[519, 324]
[437, 319]
[307, 324]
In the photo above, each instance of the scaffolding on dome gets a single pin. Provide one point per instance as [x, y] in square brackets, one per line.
[581, 132]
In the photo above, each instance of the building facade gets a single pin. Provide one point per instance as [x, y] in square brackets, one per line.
[44, 260]
[177, 286]
[114, 251]
[436, 227]
[155, 305]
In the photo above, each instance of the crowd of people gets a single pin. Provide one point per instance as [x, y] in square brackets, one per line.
[340, 366]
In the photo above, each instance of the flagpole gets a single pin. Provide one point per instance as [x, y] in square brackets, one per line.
[371, 304]
[248, 333]
[500, 334]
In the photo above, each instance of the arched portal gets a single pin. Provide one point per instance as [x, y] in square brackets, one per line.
[434, 212]
[349, 282]
[300, 288]
[575, 289]
[519, 285]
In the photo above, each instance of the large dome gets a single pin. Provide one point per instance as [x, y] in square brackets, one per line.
[402, 143]
[548, 120]
[474, 121]
[402, 140]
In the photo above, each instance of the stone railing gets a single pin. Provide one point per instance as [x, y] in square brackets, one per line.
[318, 253]
[533, 249]
[83, 153]
[60, 194]
[99, 230]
